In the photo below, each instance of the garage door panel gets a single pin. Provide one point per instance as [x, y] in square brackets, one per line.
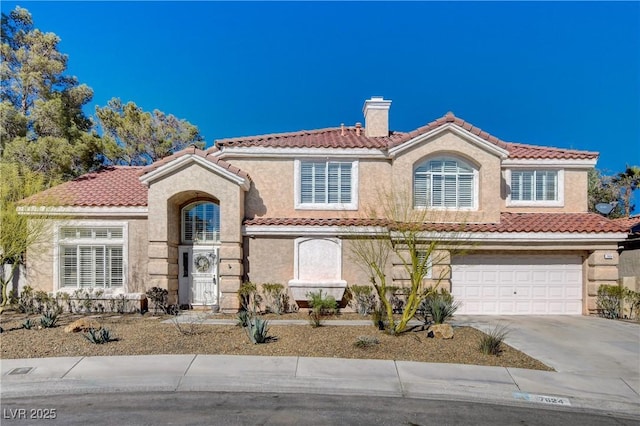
[542, 285]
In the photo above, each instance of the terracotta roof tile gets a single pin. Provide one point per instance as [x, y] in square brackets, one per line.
[116, 186]
[192, 150]
[337, 137]
[630, 223]
[509, 223]
[321, 138]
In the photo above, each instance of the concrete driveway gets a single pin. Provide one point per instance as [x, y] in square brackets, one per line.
[572, 344]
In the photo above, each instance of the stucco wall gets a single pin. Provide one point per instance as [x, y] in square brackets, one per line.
[272, 191]
[41, 262]
[629, 263]
[449, 144]
[167, 195]
[575, 195]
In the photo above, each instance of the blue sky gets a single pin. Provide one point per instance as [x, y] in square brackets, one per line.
[549, 73]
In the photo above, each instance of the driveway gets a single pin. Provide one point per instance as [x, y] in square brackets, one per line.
[572, 344]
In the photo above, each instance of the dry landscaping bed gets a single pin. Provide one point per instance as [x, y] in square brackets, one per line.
[146, 334]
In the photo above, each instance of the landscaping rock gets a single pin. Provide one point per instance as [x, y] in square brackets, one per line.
[83, 324]
[441, 331]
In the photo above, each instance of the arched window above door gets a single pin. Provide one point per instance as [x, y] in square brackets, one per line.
[201, 223]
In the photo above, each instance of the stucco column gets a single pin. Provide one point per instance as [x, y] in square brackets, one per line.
[231, 272]
[602, 270]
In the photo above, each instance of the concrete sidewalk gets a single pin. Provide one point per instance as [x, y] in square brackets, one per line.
[178, 373]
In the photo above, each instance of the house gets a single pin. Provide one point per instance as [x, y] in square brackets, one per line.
[277, 208]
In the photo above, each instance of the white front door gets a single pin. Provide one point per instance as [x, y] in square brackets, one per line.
[198, 275]
[517, 284]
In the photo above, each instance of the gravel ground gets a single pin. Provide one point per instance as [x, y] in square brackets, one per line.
[146, 335]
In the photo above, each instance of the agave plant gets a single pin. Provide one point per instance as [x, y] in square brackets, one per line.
[99, 336]
[257, 330]
[49, 319]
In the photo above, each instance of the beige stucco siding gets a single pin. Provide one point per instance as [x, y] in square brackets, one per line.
[448, 144]
[167, 195]
[574, 191]
[272, 192]
[42, 263]
[269, 260]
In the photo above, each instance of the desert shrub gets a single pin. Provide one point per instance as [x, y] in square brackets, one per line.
[186, 324]
[609, 300]
[28, 324]
[437, 307]
[397, 298]
[491, 341]
[159, 297]
[276, 299]
[378, 317]
[85, 299]
[633, 299]
[366, 342]
[49, 319]
[249, 297]
[320, 306]
[26, 301]
[99, 336]
[362, 298]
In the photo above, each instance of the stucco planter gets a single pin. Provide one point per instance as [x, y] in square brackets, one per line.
[299, 289]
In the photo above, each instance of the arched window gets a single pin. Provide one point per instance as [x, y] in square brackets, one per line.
[444, 182]
[201, 223]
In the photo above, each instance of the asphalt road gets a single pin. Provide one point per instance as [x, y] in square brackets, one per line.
[224, 408]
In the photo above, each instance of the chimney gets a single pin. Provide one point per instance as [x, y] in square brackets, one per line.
[358, 127]
[376, 117]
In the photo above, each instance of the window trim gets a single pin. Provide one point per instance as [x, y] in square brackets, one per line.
[58, 241]
[297, 186]
[534, 203]
[476, 183]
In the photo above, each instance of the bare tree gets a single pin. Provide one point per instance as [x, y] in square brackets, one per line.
[420, 241]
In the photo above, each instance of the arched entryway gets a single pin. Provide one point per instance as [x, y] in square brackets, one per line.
[199, 253]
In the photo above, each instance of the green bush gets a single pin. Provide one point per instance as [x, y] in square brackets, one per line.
[633, 299]
[362, 298]
[249, 297]
[491, 341]
[437, 307]
[49, 319]
[320, 306]
[609, 301]
[276, 299]
[159, 297]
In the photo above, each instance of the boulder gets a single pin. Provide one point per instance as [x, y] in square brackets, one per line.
[82, 324]
[441, 331]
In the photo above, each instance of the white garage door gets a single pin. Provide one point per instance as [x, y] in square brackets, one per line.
[517, 285]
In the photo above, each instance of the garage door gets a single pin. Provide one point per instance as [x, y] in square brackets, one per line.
[517, 285]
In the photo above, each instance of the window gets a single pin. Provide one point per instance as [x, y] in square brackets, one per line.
[446, 183]
[534, 186]
[326, 184]
[91, 257]
[201, 223]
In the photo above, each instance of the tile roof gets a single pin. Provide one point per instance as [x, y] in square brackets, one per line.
[629, 223]
[115, 186]
[192, 150]
[347, 137]
[509, 223]
[333, 137]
